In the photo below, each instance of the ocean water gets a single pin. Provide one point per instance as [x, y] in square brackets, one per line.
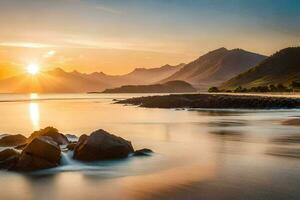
[199, 154]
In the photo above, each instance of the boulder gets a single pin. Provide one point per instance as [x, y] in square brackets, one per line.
[20, 147]
[81, 139]
[42, 152]
[143, 152]
[101, 145]
[72, 138]
[71, 146]
[8, 158]
[12, 140]
[50, 132]
[8, 153]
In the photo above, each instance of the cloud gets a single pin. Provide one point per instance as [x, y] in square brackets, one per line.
[25, 44]
[49, 54]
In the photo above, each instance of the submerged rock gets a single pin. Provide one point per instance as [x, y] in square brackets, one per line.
[12, 140]
[289, 139]
[292, 122]
[101, 145]
[50, 132]
[8, 158]
[284, 151]
[41, 153]
[143, 152]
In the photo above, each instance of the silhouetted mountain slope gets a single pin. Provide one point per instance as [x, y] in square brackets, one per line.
[151, 75]
[168, 87]
[282, 67]
[216, 67]
[58, 80]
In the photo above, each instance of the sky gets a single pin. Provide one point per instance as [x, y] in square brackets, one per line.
[116, 36]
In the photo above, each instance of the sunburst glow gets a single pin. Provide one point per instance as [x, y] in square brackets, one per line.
[33, 69]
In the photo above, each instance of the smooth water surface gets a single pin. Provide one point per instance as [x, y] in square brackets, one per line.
[199, 154]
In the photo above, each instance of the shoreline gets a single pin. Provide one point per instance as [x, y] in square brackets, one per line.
[238, 101]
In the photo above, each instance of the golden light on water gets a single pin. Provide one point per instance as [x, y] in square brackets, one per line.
[34, 96]
[33, 69]
[34, 112]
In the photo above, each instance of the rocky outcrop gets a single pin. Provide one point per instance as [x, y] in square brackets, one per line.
[12, 140]
[214, 101]
[41, 153]
[72, 138]
[59, 138]
[143, 152]
[43, 149]
[71, 146]
[8, 158]
[101, 145]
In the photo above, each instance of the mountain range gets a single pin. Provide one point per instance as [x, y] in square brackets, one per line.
[283, 67]
[58, 80]
[225, 68]
[216, 67]
[168, 87]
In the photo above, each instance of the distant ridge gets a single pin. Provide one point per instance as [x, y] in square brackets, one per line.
[59, 81]
[283, 67]
[216, 67]
[168, 87]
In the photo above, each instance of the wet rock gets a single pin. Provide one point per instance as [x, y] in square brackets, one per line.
[143, 152]
[50, 132]
[8, 153]
[12, 140]
[71, 146]
[72, 138]
[82, 139]
[8, 158]
[41, 153]
[21, 146]
[101, 145]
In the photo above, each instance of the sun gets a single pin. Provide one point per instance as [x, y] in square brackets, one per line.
[33, 69]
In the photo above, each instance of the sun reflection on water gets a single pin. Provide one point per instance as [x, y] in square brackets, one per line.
[34, 112]
[33, 96]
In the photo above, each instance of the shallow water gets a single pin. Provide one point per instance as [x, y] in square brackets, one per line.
[199, 154]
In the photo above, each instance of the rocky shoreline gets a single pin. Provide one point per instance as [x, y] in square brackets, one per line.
[213, 101]
[43, 149]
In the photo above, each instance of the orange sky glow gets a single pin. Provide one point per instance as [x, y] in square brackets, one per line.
[114, 37]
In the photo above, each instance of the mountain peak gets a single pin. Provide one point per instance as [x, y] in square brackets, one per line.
[75, 72]
[215, 52]
[216, 67]
[282, 67]
[222, 49]
[58, 70]
[98, 74]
